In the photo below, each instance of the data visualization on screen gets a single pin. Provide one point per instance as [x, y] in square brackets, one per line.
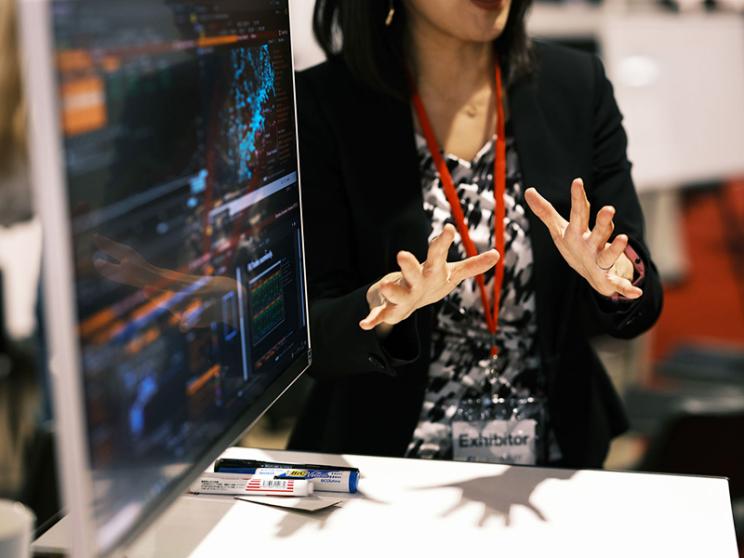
[180, 160]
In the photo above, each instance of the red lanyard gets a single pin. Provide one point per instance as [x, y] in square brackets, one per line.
[499, 177]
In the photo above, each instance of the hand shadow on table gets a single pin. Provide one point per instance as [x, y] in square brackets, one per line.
[499, 494]
[296, 519]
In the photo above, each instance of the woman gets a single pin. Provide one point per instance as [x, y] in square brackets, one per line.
[396, 374]
[18, 396]
[27, 469]
[14, 190]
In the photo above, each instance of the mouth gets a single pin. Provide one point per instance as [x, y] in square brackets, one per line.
[490, 5]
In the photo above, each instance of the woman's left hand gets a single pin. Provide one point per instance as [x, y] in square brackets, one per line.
[603, 264]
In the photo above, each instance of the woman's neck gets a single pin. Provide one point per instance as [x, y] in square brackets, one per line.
[455, 82]
[442, 63]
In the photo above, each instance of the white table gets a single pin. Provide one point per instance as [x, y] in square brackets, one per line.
[458, 510]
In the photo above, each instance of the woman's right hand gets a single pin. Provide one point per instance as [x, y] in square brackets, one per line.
[397, 295]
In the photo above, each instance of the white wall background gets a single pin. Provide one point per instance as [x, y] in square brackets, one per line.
[306, 51]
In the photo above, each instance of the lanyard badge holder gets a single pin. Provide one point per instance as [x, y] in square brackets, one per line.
[500, 426]
[504, 423]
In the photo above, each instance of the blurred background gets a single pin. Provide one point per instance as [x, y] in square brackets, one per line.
[678, 71]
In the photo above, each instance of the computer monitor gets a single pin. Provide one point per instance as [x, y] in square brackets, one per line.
[164, 160]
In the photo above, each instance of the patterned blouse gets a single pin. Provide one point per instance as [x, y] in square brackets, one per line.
[461, 341]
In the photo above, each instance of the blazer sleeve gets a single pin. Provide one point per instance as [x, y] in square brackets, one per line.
[612, 185]
[336, 292]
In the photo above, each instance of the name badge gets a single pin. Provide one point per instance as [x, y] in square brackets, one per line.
[495, 441]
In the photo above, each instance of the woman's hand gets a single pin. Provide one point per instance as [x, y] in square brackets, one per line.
[397, 295]
[123, 264]
[604, 265]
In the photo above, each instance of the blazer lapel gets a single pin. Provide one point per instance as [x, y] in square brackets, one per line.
[543, 167]
[388, 176]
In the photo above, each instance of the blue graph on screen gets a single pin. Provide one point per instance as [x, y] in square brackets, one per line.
[253, 83]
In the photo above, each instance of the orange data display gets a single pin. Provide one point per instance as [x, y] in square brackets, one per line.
[74, 61]
[83, 105]
[197, 384]
[205, 42]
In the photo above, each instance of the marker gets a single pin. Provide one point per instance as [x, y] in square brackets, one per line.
[326, 478]
[232, 484]
[256, 463]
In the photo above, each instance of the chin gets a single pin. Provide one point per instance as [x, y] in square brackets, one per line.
[480, 33]
[467, 20]
[478, 24]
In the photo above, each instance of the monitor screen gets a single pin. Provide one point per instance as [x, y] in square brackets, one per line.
[180, 167]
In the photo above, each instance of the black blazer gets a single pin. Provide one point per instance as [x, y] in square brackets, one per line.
[362, 203]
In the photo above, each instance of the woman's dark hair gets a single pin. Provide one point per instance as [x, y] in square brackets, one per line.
[376, 54]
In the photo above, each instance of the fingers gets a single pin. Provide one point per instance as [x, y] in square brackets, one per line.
[375, 317]
[395, 292]
[624, 267]
[410, 268]
[579, 218]
[476, 265]
[114, 249]
[386, 313]
[624, 287]
[439, 246]
[545, 212]
[389, 299]
[106, 268]
[607, 257]
[603, 227]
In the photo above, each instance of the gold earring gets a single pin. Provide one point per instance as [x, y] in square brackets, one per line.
[390, 15]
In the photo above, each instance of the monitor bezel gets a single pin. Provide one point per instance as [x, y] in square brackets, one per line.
[48, 178]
